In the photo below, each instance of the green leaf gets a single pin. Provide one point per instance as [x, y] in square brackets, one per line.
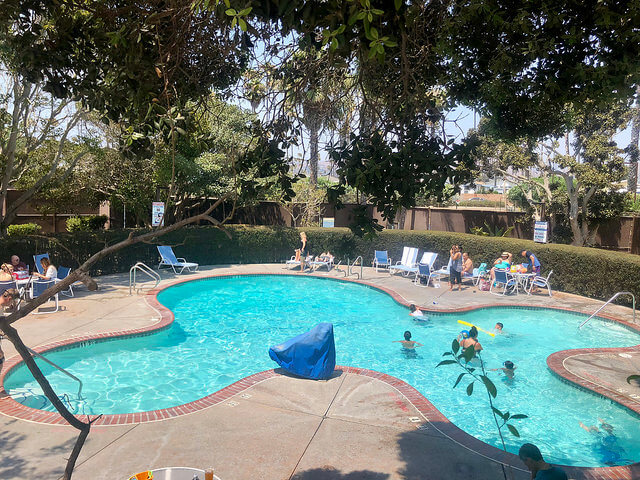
[227, 3]
[459, 378]
[373, 31]
[180, 131]
[245, 11]
[498, 412]
[469, 353]
[447, 354]
[334, 43]
[513, 430]
[470, 388]
[243, 24]
[455, 346]
[397, 4]
[518, 416]
[377, 11]
[231, 12]
[446, 362]
[234, 21]
[491, 388]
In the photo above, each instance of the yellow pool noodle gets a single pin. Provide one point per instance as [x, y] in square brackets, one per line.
[472, 325]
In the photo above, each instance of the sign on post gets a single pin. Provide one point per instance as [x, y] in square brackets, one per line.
[157, 214]
[328, 222]
[540, 232]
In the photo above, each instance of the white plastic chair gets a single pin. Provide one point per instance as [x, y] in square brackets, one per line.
[540, 282]
[169, 258]
[408, 263]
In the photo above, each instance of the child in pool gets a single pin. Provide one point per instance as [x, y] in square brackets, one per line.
[508, 369]
[415, 311]
[498, 328]
[407, 342]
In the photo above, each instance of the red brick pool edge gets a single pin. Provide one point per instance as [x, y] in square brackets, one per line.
[11, 408]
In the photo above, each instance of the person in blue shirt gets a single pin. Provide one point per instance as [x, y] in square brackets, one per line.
[533, 262]
[540, 470]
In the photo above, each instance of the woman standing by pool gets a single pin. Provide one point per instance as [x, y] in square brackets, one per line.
[455, 271]
[304, 249]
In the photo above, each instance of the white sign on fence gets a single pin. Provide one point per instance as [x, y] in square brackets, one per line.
[157, 214]
[540, 232]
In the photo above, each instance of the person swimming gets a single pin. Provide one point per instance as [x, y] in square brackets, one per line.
[407, 342]
[472, 341]
[415, 311]
[498, 328]
[462, 335]
[607, 443]
[508, 369]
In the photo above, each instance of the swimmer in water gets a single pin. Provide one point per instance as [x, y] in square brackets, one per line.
[415, 311]
[407, 342]
[508, 369]
[498, 328]
[607, 443]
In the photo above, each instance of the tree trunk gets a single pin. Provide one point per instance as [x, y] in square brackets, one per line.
[634, 154]
[313, 160]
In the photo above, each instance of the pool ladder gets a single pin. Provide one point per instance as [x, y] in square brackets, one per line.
[349, 271]
[143, 268]
[608, 302]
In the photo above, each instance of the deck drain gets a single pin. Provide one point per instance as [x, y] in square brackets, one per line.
[245, 395]
[232, 403]
[415, 419]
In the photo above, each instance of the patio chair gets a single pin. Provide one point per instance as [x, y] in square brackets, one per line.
[63, 272]
[381, 260]
[477, 274]
[11, 285]
[425, 267]
[169, 258]
[293, 263]
[36, 260]
[38, 287]
[424, 271]
[408, 263]
[504, 279]
[325, 262]
[540, 282]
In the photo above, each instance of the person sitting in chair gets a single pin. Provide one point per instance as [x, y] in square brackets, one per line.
[502, 263]
[50, 272]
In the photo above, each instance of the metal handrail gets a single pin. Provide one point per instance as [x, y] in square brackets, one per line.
[142, 267]
[350, 266]
[608, 302]
[33, 352]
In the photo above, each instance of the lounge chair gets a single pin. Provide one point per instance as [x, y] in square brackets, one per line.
[381, 260]
[408, 263]
[169, 258]
[38, 287]
[425, 268]
[505, 280]
[540, 282]
[293, 263]
[37, 258]
[63, 272]
[11, 285]
[325, 262]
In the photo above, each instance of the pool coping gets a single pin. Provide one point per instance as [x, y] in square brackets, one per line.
[430, 413]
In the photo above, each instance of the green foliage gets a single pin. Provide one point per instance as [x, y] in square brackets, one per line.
[87, 223]
[488, 231]
[584, 271]
[23, 229]
[462, 359]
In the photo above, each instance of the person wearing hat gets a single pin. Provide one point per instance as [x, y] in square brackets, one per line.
[503, 262]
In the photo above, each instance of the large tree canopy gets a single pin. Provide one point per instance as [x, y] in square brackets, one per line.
[144, 63]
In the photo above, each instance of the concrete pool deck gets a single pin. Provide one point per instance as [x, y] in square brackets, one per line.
[355, 425]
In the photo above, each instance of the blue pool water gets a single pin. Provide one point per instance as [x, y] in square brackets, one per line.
[224, 326]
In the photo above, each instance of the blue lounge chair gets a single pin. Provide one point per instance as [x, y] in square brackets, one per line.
[381, 260]
[425, 268]
[38, 287]
[168, 258]
[63, 272]
[478, 273]
[37, 258]
[408, 263]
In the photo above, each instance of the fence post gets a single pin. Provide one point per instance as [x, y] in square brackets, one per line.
[634, 246]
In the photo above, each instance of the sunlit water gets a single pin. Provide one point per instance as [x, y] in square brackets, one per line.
[224, 326]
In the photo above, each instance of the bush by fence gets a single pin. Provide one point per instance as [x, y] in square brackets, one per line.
[88, 223]
[585, 271]
[23, 229]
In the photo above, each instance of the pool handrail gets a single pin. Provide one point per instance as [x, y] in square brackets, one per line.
[608, 302]
[355, 263]
[144, 268]
[33, 352]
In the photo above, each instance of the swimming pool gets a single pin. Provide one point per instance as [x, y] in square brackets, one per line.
[224, 326]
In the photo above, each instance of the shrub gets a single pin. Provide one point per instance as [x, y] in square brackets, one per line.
[581, 270]
[87, 223]
[23, 229]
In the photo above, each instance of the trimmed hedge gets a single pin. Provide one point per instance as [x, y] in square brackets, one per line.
[584, 271]
[87, 223]
[23, 229]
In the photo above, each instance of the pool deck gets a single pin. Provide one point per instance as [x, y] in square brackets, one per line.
[356, 425]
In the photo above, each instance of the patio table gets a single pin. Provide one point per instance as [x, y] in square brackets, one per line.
[522, 280]
[179, 473]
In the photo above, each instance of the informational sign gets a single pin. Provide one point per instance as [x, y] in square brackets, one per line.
[157, 214]
[540, 232]
[328, 222]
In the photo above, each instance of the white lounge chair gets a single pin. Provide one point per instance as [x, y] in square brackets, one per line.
[408, 263]
[540, 282]
[168, 258]
[293, 263]
[326, 262]
[381, 260]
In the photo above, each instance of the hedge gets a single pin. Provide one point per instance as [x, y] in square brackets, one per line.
[585, 271]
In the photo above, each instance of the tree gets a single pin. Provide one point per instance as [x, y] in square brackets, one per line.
[632, 149]
[39, 141]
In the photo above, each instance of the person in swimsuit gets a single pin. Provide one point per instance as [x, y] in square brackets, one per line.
[407, 342]
[508, 369]
[455, 271]
[498, 328]
[611, 451]
[472, 341]
[415, 311]
[303, 251]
